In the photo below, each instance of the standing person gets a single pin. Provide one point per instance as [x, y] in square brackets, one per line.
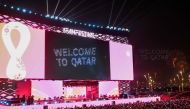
[28, 100]
[32, 99]
[23, 99]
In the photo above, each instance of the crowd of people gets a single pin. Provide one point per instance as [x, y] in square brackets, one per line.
[183, 103]
[29, 100]
[75, 98]
[170, 104]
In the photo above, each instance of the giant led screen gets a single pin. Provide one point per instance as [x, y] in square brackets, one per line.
[109, 88]
[27, 52]
[21, 49]
[70, 92]
[72, 57]
[121, 61]
[46, 88]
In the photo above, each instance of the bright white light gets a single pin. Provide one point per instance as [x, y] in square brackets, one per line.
[15, 68]
[24, 10]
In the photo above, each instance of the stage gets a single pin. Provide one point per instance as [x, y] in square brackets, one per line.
[51, 62]
[87, 103]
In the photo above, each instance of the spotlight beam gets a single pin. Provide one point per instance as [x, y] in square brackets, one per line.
[140, 15]
[111, 12]
[90, 11]
[74, 7]
[132, 10]
[64, 7]
[56, 7]
[84, 9]
[47, 7]
[120, 11]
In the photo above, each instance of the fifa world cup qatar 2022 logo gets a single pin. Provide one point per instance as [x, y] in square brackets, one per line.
[15, 69]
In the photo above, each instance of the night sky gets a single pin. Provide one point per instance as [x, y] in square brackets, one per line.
[156, 26]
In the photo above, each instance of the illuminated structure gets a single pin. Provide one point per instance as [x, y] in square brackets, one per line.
[34, 56]
[68, 29]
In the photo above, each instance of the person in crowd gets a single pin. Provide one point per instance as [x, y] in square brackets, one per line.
[23, 99]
